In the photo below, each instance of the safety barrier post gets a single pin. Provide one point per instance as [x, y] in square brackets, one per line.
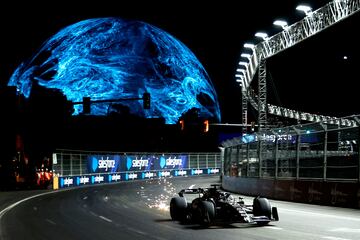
[298, 149]
[61, 165]
[325, 151]
[260, 156]
[198, 164]
[248, 159]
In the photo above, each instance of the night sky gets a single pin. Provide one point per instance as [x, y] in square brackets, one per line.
[312, 76]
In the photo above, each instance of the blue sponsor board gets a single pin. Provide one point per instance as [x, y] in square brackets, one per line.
[103, 163]
[116, 177]
[172, 162]
[213, 171]
[117, 163]
[67, 182]
[165, 173]
[83, 180]
[148, 175]
[138, 163]
[112, 177]
[99, 178]
[132, 176]
[197, 171]
[181, 173]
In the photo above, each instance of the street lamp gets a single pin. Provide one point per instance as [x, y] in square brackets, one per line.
[249, 45]
[281, 23]
[246, 55]
[304, 8]
[262, 35]
[244, 64]
[240, 70]
[239, 79]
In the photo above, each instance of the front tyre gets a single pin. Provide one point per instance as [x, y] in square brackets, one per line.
[207, 213]
[262, 207]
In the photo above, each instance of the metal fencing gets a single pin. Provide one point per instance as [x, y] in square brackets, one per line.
[326, 151]
[75, 163]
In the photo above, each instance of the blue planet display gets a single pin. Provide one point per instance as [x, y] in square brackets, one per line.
[112, 58]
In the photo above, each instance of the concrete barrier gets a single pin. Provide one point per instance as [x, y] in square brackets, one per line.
[342, 194]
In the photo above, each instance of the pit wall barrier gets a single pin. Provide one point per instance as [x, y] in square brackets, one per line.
[341, 194]
[79, 168]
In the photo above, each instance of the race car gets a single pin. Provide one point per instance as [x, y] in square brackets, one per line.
[212, 205]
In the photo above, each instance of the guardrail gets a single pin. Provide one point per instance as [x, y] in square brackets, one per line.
[321, 151]
[78, 168]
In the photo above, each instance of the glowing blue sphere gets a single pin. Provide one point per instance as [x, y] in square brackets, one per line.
[110, 58]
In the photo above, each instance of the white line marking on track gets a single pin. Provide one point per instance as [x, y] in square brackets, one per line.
[106, 219]
[275, 228]
[92, 213]
[348, 230]
[8, 208]
[321, 214]
[192, 186]
[335, 238]
[51, 222]
[160, 238]
[135, 230]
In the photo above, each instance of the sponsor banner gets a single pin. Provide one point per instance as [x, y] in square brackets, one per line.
[213, 171]
[83, 180]
[181, 173]
[164, 173]
[132, 176]
[116, 177]
[66, 182]
[138, 163]
[101, 178]
[103, 163]
[172, 162]
[197, 171]
[148, 175]
[117, 163]
[97, 179]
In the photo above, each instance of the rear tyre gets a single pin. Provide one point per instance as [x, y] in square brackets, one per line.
[178, 208]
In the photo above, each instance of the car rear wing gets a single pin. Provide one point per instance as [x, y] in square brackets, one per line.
[190, 191]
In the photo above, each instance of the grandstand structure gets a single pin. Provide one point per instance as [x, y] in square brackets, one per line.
[313, 23]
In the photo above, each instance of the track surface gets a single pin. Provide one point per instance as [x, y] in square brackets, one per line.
[135, 210]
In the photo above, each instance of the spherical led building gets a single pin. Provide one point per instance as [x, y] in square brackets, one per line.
[111, 58]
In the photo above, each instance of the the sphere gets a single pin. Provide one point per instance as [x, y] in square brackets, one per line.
[111, 58]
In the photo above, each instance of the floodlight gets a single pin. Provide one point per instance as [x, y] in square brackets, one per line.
[262, 35]
[281, 23]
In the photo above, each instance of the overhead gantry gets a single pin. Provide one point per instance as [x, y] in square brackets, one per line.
[313, 23]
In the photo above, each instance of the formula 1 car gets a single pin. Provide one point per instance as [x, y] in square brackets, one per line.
[213, 205]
